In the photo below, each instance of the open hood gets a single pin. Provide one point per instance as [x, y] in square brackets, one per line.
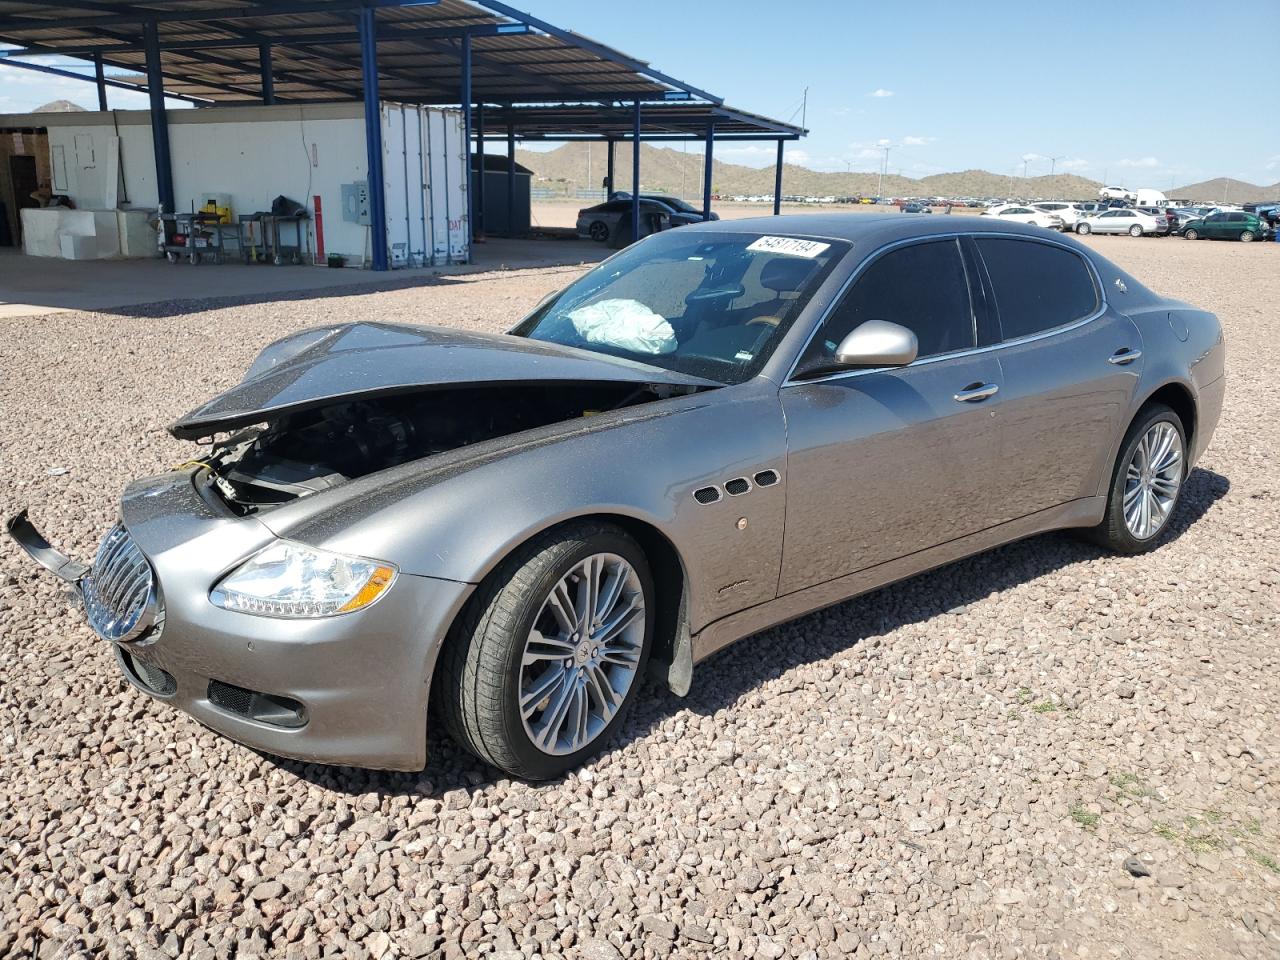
[358, 361]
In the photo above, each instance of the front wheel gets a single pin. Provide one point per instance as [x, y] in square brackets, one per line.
[1083, 229]
[1135, 231]
[1190, 235]
[548, 657]
[1146, 482]
[598, 231]
[1246, 236]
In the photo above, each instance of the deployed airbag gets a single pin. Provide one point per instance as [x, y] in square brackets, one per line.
[626, 324]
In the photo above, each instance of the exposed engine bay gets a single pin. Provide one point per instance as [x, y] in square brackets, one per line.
[317, 449]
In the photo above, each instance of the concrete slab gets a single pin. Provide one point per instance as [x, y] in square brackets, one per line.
[30, 286]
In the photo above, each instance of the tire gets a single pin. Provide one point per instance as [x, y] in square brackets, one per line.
[599, 231]
[484, 671]
[1083, 229]
[1135, 231]
[1115, 532]
[1190, 235]
[1246, 236]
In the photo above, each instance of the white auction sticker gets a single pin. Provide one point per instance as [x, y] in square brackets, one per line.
[789, 246]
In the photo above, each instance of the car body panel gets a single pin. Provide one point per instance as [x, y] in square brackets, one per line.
[363, 360]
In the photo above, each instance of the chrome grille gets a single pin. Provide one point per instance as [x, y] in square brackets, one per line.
[119, 592]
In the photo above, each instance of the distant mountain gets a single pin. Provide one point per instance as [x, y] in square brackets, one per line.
[666, 170]
[1226, 190]
[59, 106]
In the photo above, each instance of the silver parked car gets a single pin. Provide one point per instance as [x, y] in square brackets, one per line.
[718, 429]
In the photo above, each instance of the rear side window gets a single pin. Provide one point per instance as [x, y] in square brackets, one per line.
[922, 287]
[1038, 286]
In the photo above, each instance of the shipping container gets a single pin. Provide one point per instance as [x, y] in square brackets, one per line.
[424, 168]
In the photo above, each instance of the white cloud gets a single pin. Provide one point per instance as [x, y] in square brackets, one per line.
[917, 141]
[755, 154]
[880, 92]
[1032, 157]
[1273, 162]
[1142, 162]
[1073, 163]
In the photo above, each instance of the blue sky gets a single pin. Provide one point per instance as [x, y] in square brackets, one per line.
[1130, 92]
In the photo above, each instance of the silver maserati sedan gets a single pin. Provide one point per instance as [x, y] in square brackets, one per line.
[717, 429]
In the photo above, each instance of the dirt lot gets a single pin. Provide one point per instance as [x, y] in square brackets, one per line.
[957, 766]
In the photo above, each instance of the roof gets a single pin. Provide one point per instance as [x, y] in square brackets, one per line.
[877, 228]
[211, 51]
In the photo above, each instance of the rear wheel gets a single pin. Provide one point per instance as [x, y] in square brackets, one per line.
[1146, 482]
[1246, 236]
[598, 231]
[1191, 234]
[1083, 228]
[1135, 231]
[546, 661]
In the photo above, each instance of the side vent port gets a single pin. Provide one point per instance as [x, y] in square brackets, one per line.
[766, 478]
[263, 707]
[737, 486]
[706, 495]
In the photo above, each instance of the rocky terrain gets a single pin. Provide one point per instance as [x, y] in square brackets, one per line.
[1040, 752]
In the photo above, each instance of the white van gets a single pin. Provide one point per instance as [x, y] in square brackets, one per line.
[1150, 198]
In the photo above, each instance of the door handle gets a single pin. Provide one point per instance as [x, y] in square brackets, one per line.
[1124, 356]
[976, 392]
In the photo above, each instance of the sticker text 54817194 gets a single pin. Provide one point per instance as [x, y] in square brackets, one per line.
[791, 246]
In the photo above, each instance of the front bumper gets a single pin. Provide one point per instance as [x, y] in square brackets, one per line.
[361, 679]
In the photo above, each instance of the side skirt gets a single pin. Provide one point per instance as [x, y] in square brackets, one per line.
[1085, 512]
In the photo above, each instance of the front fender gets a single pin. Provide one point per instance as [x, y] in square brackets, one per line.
[458, 521]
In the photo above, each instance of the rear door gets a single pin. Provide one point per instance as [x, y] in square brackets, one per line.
[1068, 367]
[884, 463]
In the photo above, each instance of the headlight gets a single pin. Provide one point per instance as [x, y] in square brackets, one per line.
[296, 581]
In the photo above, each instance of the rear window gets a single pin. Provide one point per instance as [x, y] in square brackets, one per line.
[1038, 286]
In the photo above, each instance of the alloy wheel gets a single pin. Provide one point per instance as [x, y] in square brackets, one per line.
[598, 232]
[1246, 236]
[582, 655]
[1153, 478]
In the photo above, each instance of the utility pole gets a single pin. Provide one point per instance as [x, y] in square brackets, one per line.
[884, 166]
[1053, 164]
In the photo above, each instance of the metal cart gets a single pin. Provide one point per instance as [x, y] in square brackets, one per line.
[193, 236]
[297, 252]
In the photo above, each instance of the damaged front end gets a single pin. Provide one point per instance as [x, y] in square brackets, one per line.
[120, 594]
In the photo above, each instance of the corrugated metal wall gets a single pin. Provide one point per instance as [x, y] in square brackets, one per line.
[424, 165]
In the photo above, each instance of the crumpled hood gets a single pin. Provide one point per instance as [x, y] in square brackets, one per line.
[363, 360]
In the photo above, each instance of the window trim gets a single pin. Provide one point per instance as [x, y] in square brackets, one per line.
[1099, 292]
[1103, 305]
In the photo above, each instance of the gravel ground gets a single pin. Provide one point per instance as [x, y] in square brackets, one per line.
[958, 766]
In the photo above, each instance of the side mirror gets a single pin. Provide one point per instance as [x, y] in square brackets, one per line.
[873, 343]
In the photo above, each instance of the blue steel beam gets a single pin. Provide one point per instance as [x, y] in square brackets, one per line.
[599, 49]
[706, 171]
[100, 78]
[635, 172]
[268, 77]
[609, 174]
[159, 119]
[777, 181]
[117, 84]
[466, 139]
[479, 159]
[511, 180]
[373, 140]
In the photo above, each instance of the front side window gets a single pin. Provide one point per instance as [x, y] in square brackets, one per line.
[1038, 286]
[711, 305]
[921, 287]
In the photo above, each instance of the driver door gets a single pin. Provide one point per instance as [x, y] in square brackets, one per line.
[884, 463]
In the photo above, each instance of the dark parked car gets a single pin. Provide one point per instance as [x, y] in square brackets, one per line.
[716, 430]
[1227, 225]
[610, 222]
[916, 208]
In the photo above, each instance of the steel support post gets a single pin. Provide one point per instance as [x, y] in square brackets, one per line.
[101, 79]
[268, 75]
[706, 172]
[511, 179]
[635, 172]
[159, 119]
[373, 139]
[777, 181]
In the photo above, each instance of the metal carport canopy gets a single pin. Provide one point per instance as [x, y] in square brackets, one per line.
[544, 82]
